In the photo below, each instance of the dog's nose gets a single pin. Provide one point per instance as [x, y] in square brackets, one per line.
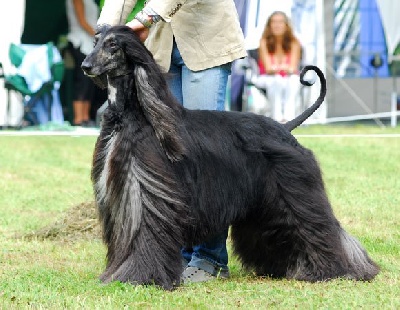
[86, 67]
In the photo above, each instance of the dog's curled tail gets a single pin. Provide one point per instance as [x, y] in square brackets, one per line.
[308, 112]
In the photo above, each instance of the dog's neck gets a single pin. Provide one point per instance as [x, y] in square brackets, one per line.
[122, 102]
[121, 92]
[143, 96]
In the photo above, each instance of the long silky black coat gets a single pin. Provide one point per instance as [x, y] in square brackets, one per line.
[165, 177]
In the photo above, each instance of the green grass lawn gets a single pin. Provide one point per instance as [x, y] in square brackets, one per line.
[44, 177]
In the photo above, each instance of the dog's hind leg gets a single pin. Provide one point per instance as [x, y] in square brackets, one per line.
[295, 233]
[254, 251]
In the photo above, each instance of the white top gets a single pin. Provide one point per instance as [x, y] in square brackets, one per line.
[77, 35]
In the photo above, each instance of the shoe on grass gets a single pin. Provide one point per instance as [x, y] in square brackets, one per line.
[195, 274]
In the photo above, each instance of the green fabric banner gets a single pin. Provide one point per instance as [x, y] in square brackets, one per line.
[139, 5]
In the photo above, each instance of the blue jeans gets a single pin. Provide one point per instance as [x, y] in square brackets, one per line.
[198, 90]
[202, 90]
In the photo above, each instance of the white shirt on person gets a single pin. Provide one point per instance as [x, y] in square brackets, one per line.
[77, 35]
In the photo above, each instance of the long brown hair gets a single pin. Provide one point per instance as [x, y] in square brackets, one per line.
[288, 36]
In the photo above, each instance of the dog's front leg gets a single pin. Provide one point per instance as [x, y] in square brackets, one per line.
[143, 214]
[145, 250]
[154, 259]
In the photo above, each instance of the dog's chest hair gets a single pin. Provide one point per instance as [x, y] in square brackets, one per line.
[125, 208]
[112, 94]
[101, 184]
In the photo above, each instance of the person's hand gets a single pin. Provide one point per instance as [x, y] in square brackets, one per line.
[139, 29]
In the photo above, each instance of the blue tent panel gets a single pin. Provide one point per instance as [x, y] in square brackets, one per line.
[372, 39]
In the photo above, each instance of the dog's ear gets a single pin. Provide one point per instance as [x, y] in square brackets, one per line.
[163, 117]
[157, 103]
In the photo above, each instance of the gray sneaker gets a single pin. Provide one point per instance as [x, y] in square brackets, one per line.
[195, 274]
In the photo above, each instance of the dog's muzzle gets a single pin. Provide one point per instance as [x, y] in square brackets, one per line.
[99, 80]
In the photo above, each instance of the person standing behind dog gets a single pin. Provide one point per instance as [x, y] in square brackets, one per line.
[82, 17]
[279, 61]
[196, 41]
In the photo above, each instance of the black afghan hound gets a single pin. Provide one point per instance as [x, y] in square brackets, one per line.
[166, 177]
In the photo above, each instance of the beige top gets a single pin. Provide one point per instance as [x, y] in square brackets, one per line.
[207, 32]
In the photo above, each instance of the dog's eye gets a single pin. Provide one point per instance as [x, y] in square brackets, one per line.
[112, 44]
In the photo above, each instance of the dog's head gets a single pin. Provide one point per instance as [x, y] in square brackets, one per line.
[119, 58]
[108, 58]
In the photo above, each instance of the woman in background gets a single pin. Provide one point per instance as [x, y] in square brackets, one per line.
[82, 18]
[279, 61]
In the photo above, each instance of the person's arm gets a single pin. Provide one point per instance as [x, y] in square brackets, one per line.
[264, 57]
[79, 9]
[262, 53]
[143, 21]
[165, 8]
[153, 12]
[115, 12]
[295, 56]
